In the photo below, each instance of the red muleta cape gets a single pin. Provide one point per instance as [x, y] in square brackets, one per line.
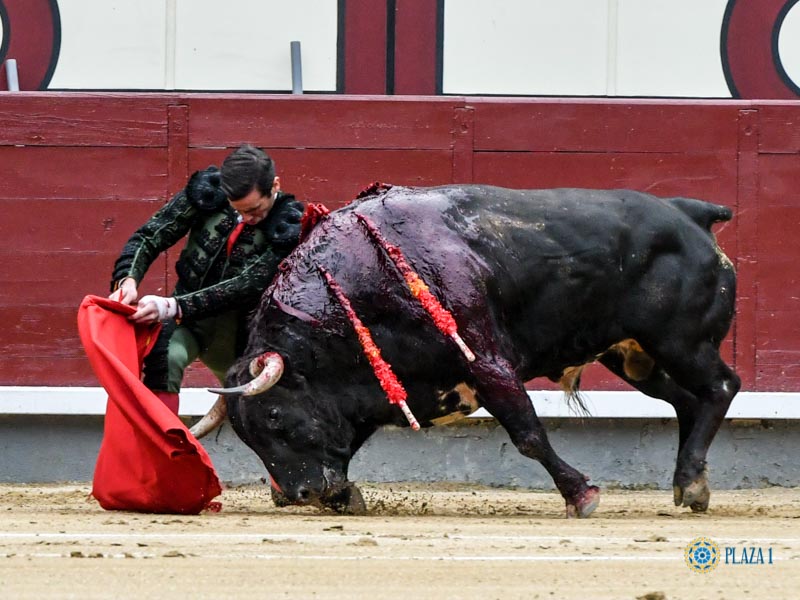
[148, 460]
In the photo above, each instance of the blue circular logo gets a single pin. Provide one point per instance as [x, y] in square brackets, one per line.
[702, 555]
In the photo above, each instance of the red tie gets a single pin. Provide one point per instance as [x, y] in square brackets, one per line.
[234, 234]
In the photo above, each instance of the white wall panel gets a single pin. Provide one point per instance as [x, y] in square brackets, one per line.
[584, 47]
[195, 44]
[113, 44]
[789, 44]
[670, 48]
[525, 47]
[244, 44]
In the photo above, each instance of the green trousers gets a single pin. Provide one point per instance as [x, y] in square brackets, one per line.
[212, 340]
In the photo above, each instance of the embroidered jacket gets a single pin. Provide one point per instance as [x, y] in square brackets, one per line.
[209, 280]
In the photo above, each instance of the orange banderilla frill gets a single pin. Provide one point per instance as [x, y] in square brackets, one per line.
[441, 316]
[391, 385]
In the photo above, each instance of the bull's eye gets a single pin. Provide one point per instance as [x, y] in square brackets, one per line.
[274, 414]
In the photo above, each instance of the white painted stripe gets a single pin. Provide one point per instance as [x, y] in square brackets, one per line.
[33, 400]
[618, 404]
[597, 540]
[294, 557]
[515, 558]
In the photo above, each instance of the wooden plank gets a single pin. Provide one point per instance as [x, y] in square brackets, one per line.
[91, 173]
[777, 273]
[778, 280]
[708, 176]
[77, 372]
[778, 377]
[778, 353]
[178, 154]
[463, 145]
[321, 122]
[83, 225]
[604, 126]
[777, 219]
[45, 370]
[198, 375]
[63, 278]
[779, 127]
[41, 332]
[334, 177]
[779, 336]
[55, 119]
[746, 255]
[779, 180]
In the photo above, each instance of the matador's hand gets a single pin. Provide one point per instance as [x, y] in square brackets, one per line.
[155, 308]
[127, 293]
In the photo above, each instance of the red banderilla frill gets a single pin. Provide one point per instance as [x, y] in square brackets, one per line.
[419, 289]
[313, 214]
[383, 371]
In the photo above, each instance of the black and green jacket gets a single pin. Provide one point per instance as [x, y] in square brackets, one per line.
[209, 280]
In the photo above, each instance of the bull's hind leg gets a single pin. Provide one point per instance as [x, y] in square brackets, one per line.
[505, 398]
[714, 384]
[698, 383]
[659, 385]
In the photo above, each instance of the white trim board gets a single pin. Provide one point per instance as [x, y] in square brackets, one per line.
[33, 400]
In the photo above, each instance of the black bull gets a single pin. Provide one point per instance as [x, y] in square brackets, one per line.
[537, 281]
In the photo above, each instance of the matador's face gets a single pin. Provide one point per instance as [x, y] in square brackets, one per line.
[255, 206]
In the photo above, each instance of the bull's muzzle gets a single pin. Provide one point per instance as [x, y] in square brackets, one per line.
[346, 499]
[266, 371]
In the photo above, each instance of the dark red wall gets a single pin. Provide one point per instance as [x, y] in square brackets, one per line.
[79, 172]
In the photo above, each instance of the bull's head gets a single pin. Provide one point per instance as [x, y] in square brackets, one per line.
[305, 447]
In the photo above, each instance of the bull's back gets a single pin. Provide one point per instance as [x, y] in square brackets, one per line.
[552, 267]
[531, 234]
[616, 232]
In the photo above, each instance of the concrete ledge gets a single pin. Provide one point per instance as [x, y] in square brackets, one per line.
[18, 400]
[629, 453]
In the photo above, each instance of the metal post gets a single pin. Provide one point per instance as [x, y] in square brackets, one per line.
[297, 68]
[11, 75]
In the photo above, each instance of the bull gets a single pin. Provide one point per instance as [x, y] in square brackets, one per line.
[537, 282]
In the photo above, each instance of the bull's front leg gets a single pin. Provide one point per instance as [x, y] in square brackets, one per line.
[504, 396]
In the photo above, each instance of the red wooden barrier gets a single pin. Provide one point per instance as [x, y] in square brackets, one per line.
[79, 172]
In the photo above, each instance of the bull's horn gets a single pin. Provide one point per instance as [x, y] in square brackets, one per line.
[211, 420]
[267, 370]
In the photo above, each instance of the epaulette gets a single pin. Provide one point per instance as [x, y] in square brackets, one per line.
[204, 189]
[282, 225]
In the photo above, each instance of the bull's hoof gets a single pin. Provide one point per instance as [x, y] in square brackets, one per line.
[348, 502]
[696, 495]
[701, 506]
[584, 504]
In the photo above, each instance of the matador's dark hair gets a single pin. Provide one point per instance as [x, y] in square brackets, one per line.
[246, 168]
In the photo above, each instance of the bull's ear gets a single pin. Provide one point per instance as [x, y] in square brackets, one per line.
[266, 369]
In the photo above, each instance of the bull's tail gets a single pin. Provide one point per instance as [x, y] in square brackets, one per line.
[703, 213]
[570, 383]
